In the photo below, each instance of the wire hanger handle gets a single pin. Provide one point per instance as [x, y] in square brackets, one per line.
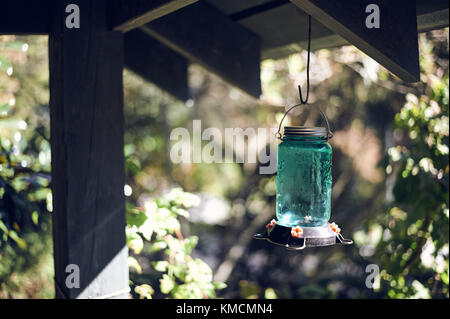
[329, 132]
[305, 101]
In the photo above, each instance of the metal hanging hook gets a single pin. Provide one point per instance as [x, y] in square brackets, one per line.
[305, 101]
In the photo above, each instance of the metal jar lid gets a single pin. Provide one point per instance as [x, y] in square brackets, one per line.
[324, 132]
[306, 131]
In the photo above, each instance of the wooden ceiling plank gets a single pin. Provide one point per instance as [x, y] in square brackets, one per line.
[206, 36]
[126, 15]
[326, 42]
[394, 45]
[283, 26]
[230, 7]
[282, 35]
[157, 63]
[24, 17]
[429, 6]
[433, 20]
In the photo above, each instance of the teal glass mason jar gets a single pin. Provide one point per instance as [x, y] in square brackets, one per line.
[304, 177]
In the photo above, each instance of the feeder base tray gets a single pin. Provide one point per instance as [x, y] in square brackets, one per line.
[310, 237]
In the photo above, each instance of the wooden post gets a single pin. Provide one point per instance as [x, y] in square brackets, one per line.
[86, 108]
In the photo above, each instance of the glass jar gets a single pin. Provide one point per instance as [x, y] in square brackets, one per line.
[304, 177]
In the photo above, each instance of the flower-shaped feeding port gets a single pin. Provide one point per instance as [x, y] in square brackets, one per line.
[334, 227]
[270, 225]
[300, 237]
[296, 232]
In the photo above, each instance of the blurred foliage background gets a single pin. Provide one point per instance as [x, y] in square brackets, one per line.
[190, 226]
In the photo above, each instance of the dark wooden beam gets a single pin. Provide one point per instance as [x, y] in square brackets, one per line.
[203, 34]
[126, 15]
[88, 174]
[231, 7]
[281, 36]
[157, 63]
[433, 20]
[430, 6]
[393, 45]
[24, 17]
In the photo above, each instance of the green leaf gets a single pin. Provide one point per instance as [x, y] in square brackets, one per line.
[144, 291]
[444, 278]
[181, 212]
[157, 246]
[3, 227]
[129, 149]
[180, 198]
[219, 285]
[15, 45]
[19, 241]
[13, 235]
[166, 284]
[13, 124]
[172, 224]
[134, 241]
[4, 64]
[189, 244]
[163, 213]
[35, 217]
[133, 165]
[160, 265]
[269, 293]
[188, 291]
[162, 203]
[4, 108]
[147, 229]
[198, 271]
[133, 263]
[179, 270]
[136, 218]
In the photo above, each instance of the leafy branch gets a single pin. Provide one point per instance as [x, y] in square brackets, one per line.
[182, 276]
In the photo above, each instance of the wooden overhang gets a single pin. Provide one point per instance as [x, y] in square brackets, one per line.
[231, 37]
[280, 27]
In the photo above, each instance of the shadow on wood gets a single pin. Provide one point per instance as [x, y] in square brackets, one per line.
[204, 35]
[157, 63]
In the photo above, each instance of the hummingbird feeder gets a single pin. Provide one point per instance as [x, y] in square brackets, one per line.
[303, 182]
